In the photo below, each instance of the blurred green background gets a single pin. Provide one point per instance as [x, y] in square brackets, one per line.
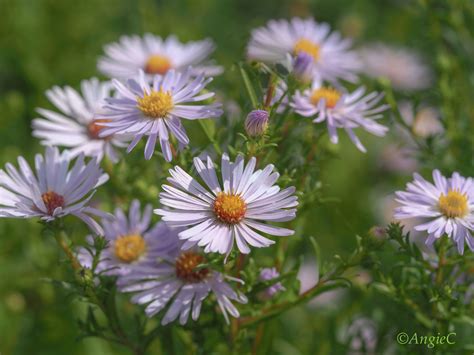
[52, 42]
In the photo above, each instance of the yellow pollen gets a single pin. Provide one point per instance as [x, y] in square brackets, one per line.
[229, 208]
[331, 96]
[52, 200]
[157, 104]
[306, 46]
[157, 64]
[93, 128]
[129, 247]
[454, 204]
[186, 267]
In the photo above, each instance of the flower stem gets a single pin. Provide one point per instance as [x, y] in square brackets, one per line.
[60, 237]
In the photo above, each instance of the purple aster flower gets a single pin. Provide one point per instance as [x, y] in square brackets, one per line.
[445, 207]
[53, 190]
[155, 110]
[341, 110]
[174, 280]
[221, 214]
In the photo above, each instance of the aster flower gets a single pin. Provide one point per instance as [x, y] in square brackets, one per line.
[267, 274]
[447, 207]
[281, 41]
[154, 55]
[155, 109]
[54, 190]
[217, 216]
[76, 126]
[132, 241]
[175, 279]
[404, 68]
[341, 110]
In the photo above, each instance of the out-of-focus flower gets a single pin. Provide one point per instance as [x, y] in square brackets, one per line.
[267, 274]
[154, 55]
[217, 216]
[404, 69]
[131, 241]
[175, 279]
[282, 39]
[54, 191]
[425, 121]
[76, 128]
[155, 110]
[341, 110]
[361, 336]
[256, 123]
[447, 207]
[397, 159]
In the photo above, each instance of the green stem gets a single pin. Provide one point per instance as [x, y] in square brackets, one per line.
[441, 259]
[109, 310]
[284, 306]
[214, 143]
[328, 282]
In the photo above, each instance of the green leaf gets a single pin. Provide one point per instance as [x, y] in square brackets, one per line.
[248, 86]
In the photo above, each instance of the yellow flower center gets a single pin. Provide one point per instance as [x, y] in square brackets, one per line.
[157, 104]
[186, 267]
[93, 128]
[157, 64]
[52, 200]
[454, 204]
[306, 46]
[331, 96]
[229, 208]
[129, 247]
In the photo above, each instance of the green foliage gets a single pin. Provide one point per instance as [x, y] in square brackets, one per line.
[47, 307]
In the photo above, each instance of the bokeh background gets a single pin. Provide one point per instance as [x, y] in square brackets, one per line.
[52, 42]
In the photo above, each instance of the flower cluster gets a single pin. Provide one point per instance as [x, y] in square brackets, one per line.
[211, 211]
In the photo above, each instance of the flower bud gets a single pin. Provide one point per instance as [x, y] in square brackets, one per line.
[302, 67]
[267, 274]
[256, 123]
[377, 235]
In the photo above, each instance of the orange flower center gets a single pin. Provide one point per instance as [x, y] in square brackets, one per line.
[453, 204]
[52, 200]
[304, 45]
[330, 95]
[229, 208]
[186, 267]
[94, 128]
[129, 248]
[157, 64]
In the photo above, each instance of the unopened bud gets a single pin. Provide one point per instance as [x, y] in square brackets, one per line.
[302, 67]
[256, 123]
[378, 235]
